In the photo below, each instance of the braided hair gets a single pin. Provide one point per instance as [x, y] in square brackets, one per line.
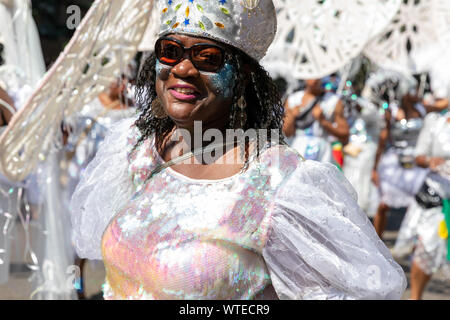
[2, 49]
[264, 107]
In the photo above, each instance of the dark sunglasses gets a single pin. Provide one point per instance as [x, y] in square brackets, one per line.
[204, 56]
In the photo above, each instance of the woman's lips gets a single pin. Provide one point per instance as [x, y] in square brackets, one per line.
[183, 93]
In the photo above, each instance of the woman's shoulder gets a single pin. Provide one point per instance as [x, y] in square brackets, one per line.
[293, 170]
[289, 164]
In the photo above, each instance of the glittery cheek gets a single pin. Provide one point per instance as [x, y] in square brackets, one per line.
[222, 81]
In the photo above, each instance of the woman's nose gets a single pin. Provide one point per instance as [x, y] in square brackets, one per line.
[185, 69]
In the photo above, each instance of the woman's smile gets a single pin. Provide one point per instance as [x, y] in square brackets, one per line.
[184, 92]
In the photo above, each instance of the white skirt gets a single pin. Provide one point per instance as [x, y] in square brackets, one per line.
[398, 185]
[420, 229]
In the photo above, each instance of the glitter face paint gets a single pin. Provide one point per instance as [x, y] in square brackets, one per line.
[222, 81]
[162, 71]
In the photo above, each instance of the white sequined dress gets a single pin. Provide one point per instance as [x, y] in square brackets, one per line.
[284, 228]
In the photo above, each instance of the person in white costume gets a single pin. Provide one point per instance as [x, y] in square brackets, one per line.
[315, 119]
[394, 171]
[87, 130]
[21, 66]
[361, 150]
[274, 226]
[19, 34]
[425, 227]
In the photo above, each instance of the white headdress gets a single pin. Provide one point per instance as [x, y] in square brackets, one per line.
[249, 25]
[390, 84]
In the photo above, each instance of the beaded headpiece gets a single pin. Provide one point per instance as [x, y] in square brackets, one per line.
[249, 25]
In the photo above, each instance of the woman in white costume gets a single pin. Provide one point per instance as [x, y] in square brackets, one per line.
[274, 226]
[8, 195]
[360, 152]
[21, 39]
[13, 92]
[425, 227]
[87, 130]
[315, 120]
[394, 171]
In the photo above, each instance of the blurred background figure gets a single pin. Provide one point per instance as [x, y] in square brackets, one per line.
[359, 154]
[425, 227]
[395, 171]
[314, 119]
[85, 131]
[21, 67]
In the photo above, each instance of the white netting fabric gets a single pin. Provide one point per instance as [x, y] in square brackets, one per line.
[152, 32]
[317, 38]
[417, 27]
[102, 46]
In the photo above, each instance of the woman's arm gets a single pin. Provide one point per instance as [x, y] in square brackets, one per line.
[289, 119]
[438, 106]
[429, 162]
[382, 142]
[339, 128]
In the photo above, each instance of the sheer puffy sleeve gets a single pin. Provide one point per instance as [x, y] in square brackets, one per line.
[321, 244]
[105, 186]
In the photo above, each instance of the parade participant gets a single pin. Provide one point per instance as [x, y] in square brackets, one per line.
[21, 39]
[315, 119]
[87, 130]
[427, 221]
[275, 226]
[394, 171]
[7, 198]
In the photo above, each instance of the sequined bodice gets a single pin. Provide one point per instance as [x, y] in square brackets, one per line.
[199, 239]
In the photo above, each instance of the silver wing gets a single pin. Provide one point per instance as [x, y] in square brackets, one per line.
[103, 44]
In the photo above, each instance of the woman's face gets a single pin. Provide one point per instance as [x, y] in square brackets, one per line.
[190, 95]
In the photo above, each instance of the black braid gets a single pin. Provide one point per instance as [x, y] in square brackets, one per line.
[238, 91]
[264, 106]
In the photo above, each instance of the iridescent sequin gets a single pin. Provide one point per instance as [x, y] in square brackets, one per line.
[181, 238]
